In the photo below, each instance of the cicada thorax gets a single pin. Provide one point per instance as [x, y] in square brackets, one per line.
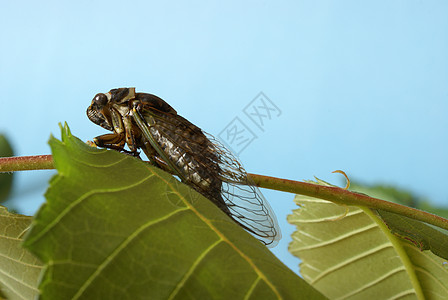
[192, 153]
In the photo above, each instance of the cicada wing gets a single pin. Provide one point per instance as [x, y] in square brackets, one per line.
[250, 209]
[209, 167]
[244, 199]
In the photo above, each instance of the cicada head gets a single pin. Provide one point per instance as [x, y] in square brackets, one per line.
[97, 112]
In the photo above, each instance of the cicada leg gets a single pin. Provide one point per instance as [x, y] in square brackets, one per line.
[115, 141]
[129, 134]
[111, 141]
[153, 157]
[122, 135]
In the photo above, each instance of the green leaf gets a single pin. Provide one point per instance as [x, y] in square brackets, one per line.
[19, 269]
[113, 227]
[5, 178]
[422, 235]
[348, 252]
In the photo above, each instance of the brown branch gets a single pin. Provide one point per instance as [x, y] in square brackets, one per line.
[343, 196]
[26, 163]
[333, 194]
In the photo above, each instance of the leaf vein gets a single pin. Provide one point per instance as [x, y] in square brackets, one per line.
[122, 246]
[78, 201]
[338, 238]
[20, 262]
[373, 282]
[326, 218]
[252, 288]
[192, 268]
[102, 165]
[352, 259]
[435, 279]
[19, 281]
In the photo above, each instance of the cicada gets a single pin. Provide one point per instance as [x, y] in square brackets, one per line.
[170, 142]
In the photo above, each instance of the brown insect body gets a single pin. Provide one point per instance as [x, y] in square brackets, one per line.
[145, 121]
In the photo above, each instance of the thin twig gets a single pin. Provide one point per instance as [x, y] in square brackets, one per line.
[333, 194]
[26, 163]
[343, 196]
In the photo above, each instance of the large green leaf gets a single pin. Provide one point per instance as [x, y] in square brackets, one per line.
[5, 178]
[19, 269]
[349, 253]
[114, 227]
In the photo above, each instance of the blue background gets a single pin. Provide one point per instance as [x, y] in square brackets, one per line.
[362, 85]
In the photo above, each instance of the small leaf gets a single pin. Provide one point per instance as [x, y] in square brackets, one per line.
[113, 227]
[420, 234]
[5, 178]
[19, 269]
[348, 252]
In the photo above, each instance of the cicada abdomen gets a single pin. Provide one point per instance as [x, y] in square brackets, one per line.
[145, 121]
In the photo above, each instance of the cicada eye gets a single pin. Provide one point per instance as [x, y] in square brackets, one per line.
[100, 99]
